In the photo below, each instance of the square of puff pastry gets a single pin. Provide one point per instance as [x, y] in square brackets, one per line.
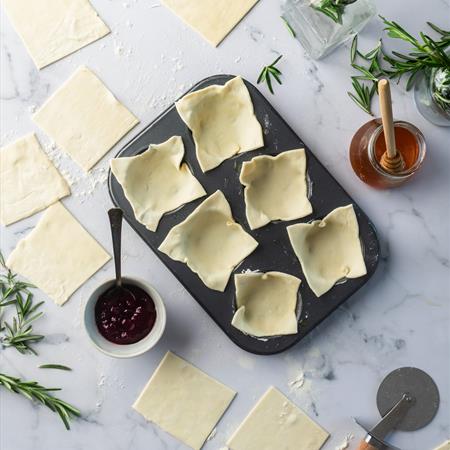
[275, 188]
[266, 303]
[156, 181]
[329, 249]
[222, 121]
[210, 242]
[29, 182]
[276, 423]
[183, 401]
[58, 255]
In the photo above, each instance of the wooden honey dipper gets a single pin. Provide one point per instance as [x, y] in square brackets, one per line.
[392, 160]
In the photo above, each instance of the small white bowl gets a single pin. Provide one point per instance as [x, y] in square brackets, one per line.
[127, 350]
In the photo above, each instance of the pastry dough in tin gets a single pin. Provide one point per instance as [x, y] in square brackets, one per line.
[210, 242]
[222, 121]
[156, 181]
[329, 249]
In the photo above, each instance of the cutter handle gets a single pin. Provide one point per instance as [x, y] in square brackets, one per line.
[366, 446]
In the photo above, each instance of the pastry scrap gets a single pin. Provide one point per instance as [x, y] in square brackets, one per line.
[275, 188]
[156, 181]
[276, 423]
[84, 118]
[53, 29]
[210, 242]
[266, 303]
[183, 401]
[29, 182]
[443, 446]
[222, 122]
[58, 256]
[213, 19]
[329, 249]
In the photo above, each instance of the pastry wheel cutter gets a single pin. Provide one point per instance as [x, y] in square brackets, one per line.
[407, 399]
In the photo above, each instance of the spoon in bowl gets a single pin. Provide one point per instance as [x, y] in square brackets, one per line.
[115, 220]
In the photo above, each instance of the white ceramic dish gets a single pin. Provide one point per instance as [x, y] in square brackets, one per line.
[129, 350]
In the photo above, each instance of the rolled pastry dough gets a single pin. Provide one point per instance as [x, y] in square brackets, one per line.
[183, 401]
[266, 303]
[210, 242]
[329, 249]
[58, 256]
[29, 182]
[275, 188]
[84, 118]
[213, 19]
[156, 182]
[222, 122]
[52, 29]
[276, 423]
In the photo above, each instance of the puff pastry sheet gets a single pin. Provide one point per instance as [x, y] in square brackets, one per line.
[210, 242]
[222, 122]
[266, 303]
[276, 423]
[52, 29]
[58, 256]
[275, 188]
[156, 182]
[29, 182]
[84, 118]
[183, 401]
[213, 19]
[329, 249]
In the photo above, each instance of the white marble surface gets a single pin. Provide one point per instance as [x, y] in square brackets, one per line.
[400, 318]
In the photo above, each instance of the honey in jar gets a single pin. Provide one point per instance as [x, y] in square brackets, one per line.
[368, 146]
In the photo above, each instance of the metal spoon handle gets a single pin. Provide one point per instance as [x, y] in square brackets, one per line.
[115, 220]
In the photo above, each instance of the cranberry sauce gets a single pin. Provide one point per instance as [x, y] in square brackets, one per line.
[122, 319]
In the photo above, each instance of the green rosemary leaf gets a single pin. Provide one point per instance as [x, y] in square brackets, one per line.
[54, 366]
[359, 103]
[411, 80]
[365, 72]
[438, 30]
[288, 26]
[353, 49]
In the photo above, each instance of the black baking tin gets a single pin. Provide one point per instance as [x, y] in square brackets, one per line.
[274, 251]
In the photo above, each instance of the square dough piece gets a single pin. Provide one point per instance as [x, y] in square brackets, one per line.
[156, 182]
[84, 118]
[329, 249]
[29, 182]
[222, 121]
[52, 29]
[59, 255]
[276, 423]
[275, 188]
[210, 242]
[183, 401]
[266, 303]
[213, 19]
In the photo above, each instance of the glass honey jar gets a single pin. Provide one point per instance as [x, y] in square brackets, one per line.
[368, 146]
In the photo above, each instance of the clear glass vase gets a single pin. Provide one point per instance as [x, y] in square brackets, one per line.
[318, 33]
[425, 89]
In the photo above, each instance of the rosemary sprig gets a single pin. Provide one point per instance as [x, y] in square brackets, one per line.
[10, 286]
[268, 72]
[426, 53]
[289, 27]
[54, 366]
[34, 391]
[19, 334]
